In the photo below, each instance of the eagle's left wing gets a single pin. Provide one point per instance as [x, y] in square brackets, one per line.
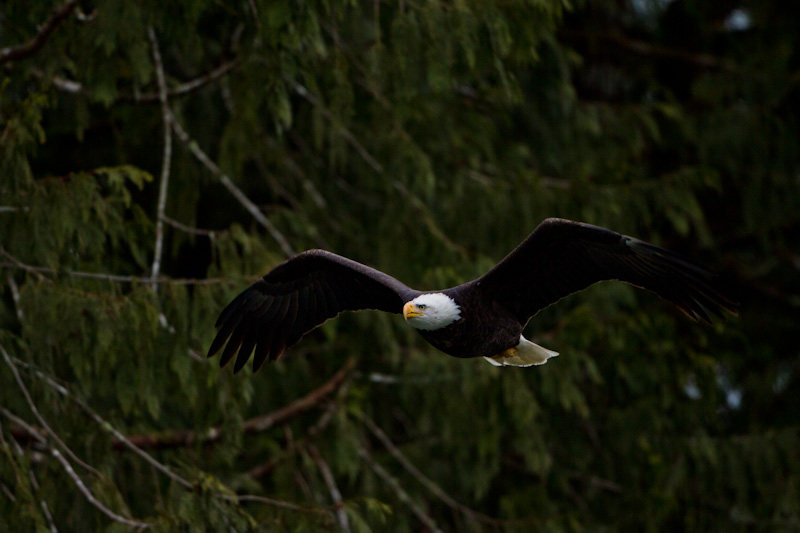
[561, 257]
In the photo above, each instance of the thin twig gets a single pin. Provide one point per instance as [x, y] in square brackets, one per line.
[344, 132]
[119, 278]
[38, 271]
[189, 229]
[330, 481]
[419, 206]
[8, 493]
[20, 51]
[166, 159]
[52, 434]
[392, 483]
[186, 87]
[90, 497]
[232, 188]
[19, 264]
[49, 516]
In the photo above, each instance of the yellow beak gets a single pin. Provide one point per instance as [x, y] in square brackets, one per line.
[410, 312]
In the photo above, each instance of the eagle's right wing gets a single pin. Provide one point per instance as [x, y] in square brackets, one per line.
[296, 297]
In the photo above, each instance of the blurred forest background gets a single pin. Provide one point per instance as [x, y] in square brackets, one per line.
[157, 157]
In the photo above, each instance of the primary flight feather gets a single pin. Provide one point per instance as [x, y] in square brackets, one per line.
[482, 318]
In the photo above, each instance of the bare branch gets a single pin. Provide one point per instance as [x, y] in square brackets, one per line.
[52, 434]
[392, 483]
[167, 158]
[21, 51]
[330, 481]
[178, 438]
[14, 294]
[233, 189]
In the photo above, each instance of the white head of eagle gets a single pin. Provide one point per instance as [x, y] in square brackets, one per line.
[431, 311]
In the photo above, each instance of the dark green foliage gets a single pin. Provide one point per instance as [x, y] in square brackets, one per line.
[425, 139]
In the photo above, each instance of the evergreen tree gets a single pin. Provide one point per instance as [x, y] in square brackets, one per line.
[155, 159]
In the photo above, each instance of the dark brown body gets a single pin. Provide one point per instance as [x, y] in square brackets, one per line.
[485, 328]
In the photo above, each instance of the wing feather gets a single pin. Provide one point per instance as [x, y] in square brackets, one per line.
[296, 297]
[562, 257]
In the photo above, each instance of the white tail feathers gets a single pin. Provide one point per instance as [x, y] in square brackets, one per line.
[525, 353]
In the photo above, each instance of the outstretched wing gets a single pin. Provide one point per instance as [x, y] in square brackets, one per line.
[561, 257]
[296, 297]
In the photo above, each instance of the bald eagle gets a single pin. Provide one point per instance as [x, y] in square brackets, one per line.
[482, 318]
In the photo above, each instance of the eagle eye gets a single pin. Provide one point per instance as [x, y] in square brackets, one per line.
[421, 306]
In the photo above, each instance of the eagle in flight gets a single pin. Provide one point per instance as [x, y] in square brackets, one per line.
[481, 318]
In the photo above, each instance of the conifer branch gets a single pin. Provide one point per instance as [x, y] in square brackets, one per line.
[237, 193]
[42, 441]
[330, 481]
[32, 406]
[120, 438]
[167, 157]
[393, 484]
[21, 51]
[34, 482]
